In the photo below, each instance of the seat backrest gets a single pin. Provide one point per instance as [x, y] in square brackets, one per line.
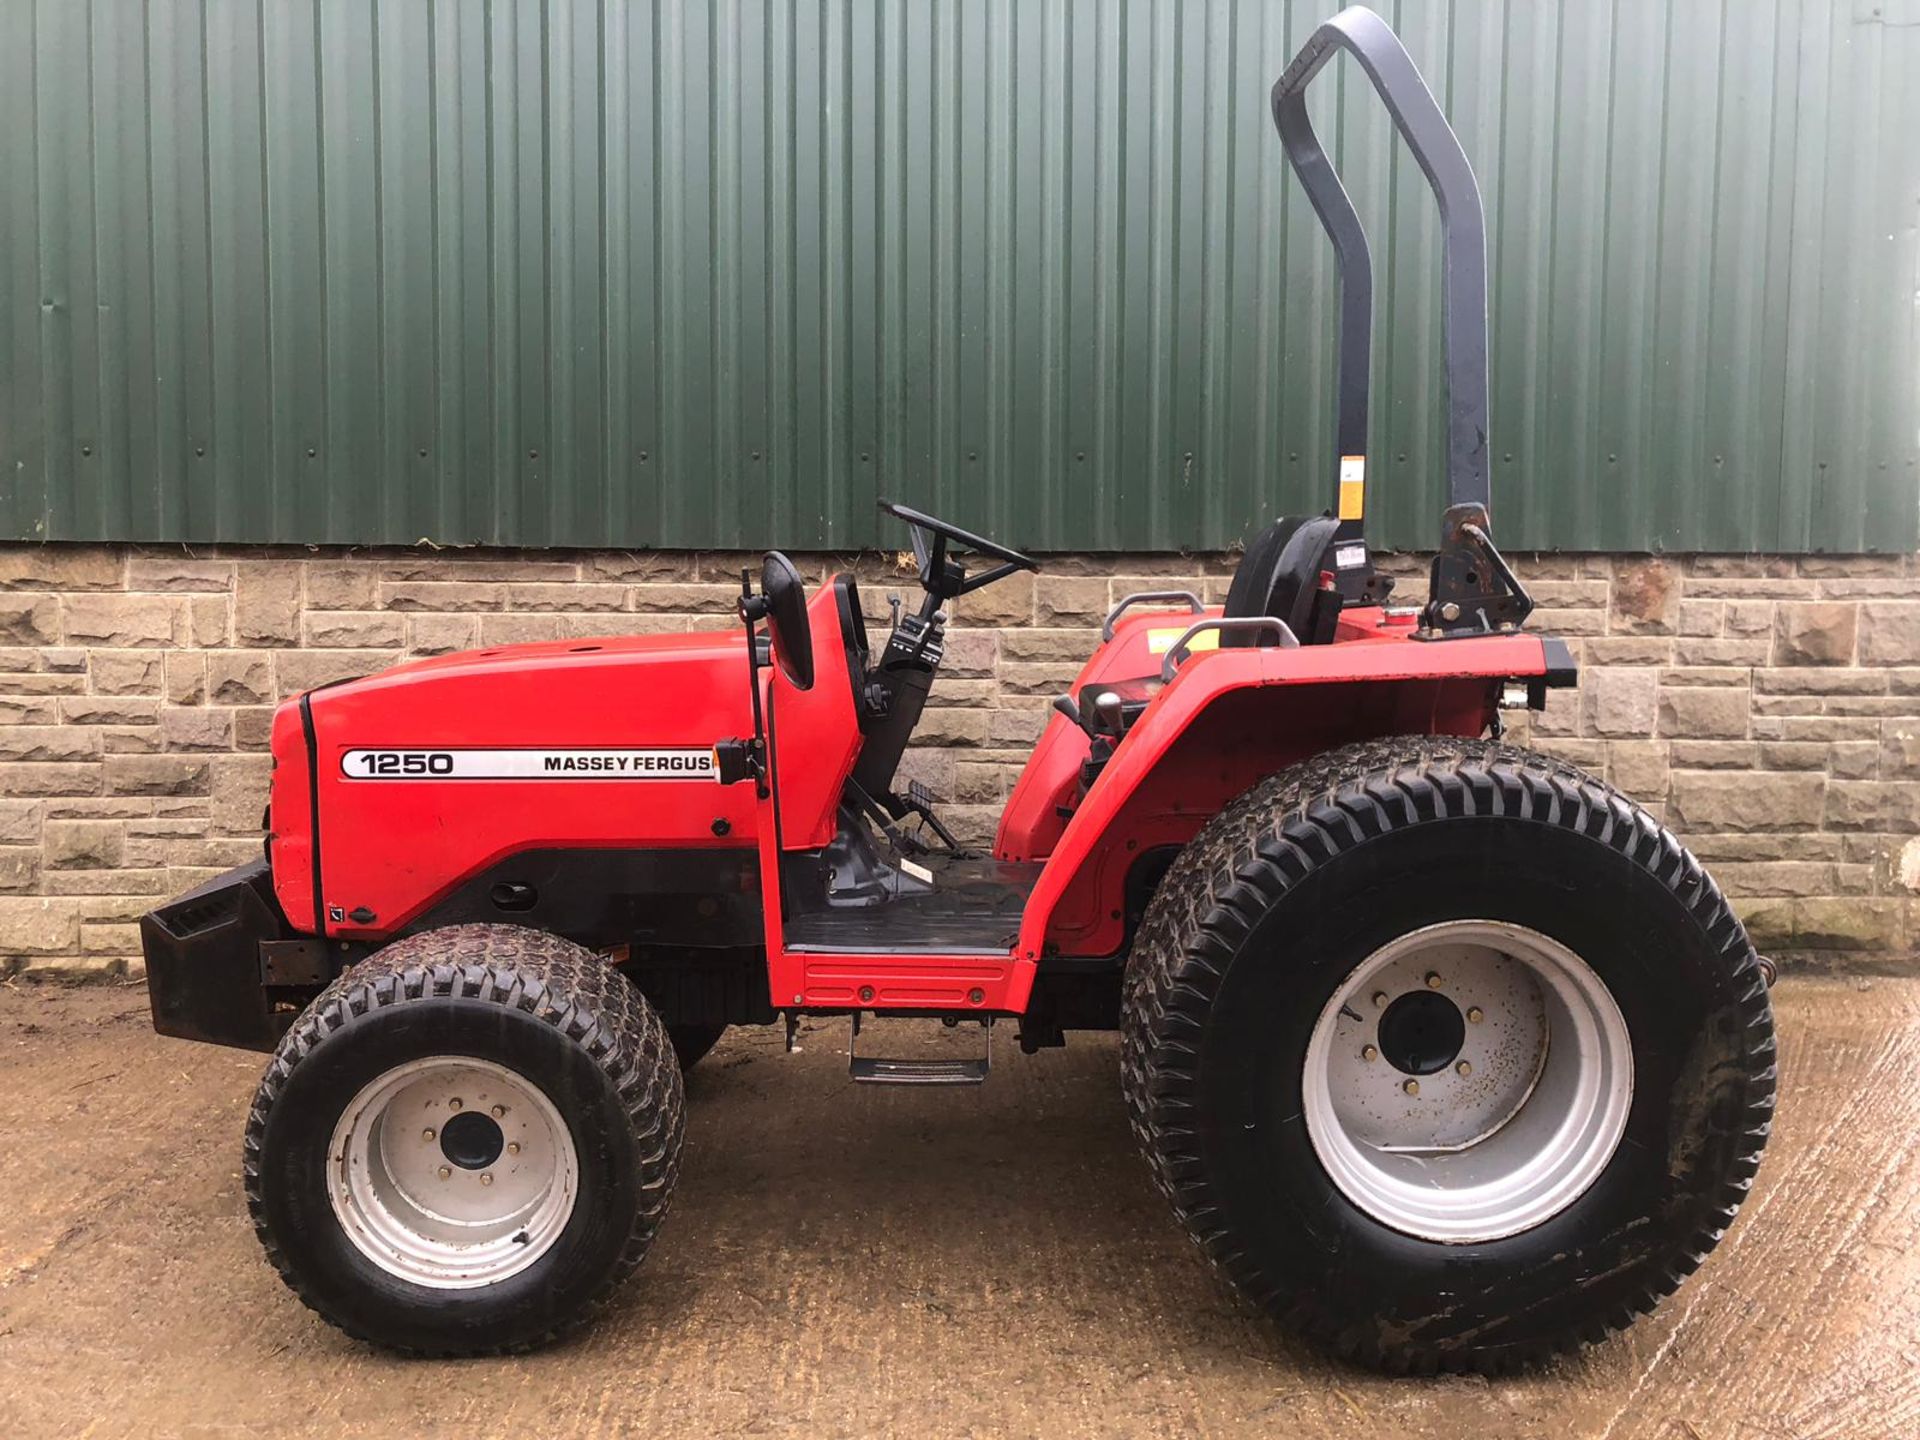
[1279, 576]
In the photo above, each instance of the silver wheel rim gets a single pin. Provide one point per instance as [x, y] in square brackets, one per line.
[1495, 1137]
[452, 1172]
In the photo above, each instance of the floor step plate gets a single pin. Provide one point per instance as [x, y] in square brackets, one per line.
[873, 1070]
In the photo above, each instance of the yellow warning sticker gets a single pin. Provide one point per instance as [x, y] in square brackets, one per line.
[1353, 486]
[1161, 641]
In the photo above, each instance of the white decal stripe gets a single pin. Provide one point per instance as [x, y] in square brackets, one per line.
[651, 764]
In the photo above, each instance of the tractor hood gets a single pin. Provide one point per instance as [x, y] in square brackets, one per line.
[386, 786]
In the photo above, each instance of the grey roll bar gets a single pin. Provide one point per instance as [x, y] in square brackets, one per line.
[1468, 576]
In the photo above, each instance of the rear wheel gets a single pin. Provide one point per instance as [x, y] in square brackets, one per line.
[1446, 1053]
[465, 1142]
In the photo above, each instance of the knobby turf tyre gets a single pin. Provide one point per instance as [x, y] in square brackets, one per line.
[563, 1032]
[1305, 879]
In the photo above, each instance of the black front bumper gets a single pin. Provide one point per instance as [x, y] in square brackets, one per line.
[204, 977]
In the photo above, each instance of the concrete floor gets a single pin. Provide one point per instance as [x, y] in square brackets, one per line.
[867, 1261]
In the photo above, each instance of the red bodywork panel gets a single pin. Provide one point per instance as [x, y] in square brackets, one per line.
[393, 845]
[422, 776]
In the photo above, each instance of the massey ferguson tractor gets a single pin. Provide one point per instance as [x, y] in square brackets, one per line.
[1445, 1052]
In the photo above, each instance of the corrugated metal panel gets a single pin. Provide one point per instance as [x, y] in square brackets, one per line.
[716, 275]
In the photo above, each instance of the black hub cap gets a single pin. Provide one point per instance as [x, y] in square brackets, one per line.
[1421, 1032]
[471, 1140]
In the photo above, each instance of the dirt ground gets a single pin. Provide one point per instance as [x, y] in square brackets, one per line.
[850, 1260]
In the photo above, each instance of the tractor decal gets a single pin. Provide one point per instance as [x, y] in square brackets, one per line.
[680, 763]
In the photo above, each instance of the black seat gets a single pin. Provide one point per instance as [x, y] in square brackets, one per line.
[1280, 576]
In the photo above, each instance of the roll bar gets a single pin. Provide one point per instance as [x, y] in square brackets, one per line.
[1468, 571]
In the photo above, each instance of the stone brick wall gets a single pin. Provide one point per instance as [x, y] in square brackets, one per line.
[1768, 708]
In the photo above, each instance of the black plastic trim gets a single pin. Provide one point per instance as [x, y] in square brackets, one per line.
[1562, 672]
[313, 809]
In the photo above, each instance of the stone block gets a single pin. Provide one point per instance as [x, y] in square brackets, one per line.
[1821, 633]
[346, 583]
[60, 567]
[1045, 645]
[521, 629]
[295, 671]
[686, 599]
[156, 774]
[1005, 602]
[109, 710]
[268, 596]
[29, 620]
[186, 678]
[1638, 767]
[127, 672]
[85, 844]
[210, 621]
[567, 595]
[1890, 634]
[353, 630]
[1070, 600]
[29, 710]
[971, 654]
[1622, 702]
[1740, 801]
[1857, 922]
[177, 572]
[38, 925]
[239, 793]
[199, 728]
[240, 677]
[21, 821]
[122, 621]
[442, 634]
[49, 742]
[1714, 712]
[951, 727]
[1645, 595]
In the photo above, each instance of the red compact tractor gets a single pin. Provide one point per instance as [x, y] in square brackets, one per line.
[1445, 1052]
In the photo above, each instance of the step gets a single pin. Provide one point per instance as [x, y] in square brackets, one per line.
[875, 1070]
[883, 1070]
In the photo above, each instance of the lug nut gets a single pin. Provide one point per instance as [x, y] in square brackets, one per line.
[445, 1172]
[1463, 1068]
[454, 1104]
[498, 1111]
[1475, 1014]
[1367, 1052]
[1379, 998]
[1412, 1087]
[427, 1134]
[513, 1147]
[486, 1179]
[1433, 979]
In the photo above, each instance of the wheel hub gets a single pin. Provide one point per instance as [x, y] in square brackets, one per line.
[1467, 1081]
[1421, 1032]
[471, 1140]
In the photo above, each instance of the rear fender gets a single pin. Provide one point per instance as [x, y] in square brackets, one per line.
[1228, 719]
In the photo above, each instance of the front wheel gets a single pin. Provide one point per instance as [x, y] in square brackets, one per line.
[465, 1142]
[1446, 1053]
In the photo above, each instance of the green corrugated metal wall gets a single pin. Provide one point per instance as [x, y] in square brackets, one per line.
[718, 274]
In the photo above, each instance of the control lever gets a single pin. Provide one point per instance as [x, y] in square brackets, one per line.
[1109, 708]
[1064, 704]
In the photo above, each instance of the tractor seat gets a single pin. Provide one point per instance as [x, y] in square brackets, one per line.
[1279, 575]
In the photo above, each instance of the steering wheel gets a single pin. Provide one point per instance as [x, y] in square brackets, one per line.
[946, 579]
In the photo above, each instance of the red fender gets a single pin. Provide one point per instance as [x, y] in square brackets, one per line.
[1218, 728]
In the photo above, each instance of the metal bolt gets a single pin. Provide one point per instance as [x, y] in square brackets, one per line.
[486, 1179]
[974, 997]
[1463, 1068]
[427, 1134]
[1449, 611]
[1475, 1014]
[498, 1111]
[445, 1172]
[513, 1147]
[1379, 998]
[1367, 1052]
[1433, 979]
[1412, 1087]
[454, 1104]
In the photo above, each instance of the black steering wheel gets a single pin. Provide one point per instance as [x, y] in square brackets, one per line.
[946, 578]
